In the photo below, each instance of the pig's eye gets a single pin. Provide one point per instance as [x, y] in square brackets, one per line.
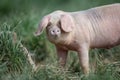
[59, 24]
[49, 24]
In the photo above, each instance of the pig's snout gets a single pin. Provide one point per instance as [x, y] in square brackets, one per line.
[55, 32]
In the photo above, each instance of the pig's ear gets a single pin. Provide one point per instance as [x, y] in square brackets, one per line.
[43, 24]
[67, 23]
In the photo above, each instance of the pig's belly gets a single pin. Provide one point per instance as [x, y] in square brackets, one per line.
[105, 43]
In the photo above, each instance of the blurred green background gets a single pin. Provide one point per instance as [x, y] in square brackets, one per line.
[22, 17]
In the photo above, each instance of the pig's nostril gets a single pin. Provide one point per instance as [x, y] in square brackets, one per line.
[58, 31]
[53, 31]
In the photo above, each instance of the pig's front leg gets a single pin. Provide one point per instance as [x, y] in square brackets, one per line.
[84, 58]
[62, 56]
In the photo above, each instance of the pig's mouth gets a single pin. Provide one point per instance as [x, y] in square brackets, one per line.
[56, 36]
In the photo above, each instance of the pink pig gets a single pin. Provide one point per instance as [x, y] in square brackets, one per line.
[83, 30]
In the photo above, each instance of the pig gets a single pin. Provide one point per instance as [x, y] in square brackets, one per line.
[81, 31]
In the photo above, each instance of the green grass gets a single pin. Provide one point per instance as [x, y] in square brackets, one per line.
[23, 20]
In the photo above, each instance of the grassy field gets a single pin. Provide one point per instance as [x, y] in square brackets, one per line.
[22, 17]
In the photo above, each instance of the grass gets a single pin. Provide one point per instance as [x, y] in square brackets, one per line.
[23, 21]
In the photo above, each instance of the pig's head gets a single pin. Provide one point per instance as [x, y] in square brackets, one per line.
[59, 26]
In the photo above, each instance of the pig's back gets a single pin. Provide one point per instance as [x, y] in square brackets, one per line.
[102, 25]
[105, 22]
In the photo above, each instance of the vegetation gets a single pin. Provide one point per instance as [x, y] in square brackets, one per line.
[18, 21]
